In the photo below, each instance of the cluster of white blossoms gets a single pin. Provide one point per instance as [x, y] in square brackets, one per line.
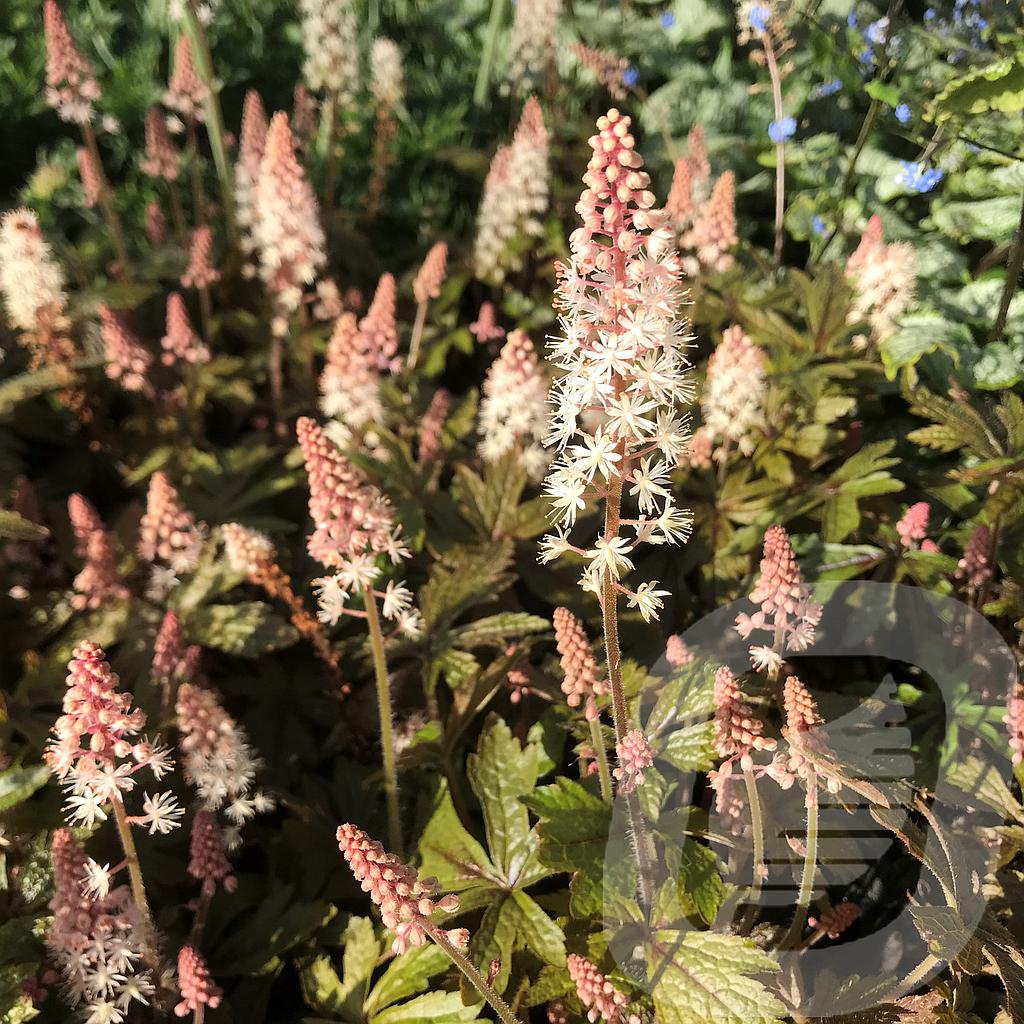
[531, 51]
[515, 197]
[624, 371]
[514, 407]
[30, 278]
[884, 280]
[387, 83]
[329, 39]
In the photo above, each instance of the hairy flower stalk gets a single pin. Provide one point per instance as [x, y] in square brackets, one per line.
[515, 198]
[601, 998]
[96, 752]
[426, 286]
[531, 58]
[514, 408]
[99, 582]
[884, 280]
[35, 301]
[407, 905]
[582, 683]
[387, 85]
[353, 523]
[254, 554]
[621, 353]
[72, 89]
[289, 237]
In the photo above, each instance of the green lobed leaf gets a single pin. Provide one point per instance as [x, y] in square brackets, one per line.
[18, 784]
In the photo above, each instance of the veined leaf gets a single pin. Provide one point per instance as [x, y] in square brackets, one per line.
[18, 784]
[407, 975]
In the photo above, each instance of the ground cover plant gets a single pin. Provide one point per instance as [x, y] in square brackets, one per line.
[511, 511]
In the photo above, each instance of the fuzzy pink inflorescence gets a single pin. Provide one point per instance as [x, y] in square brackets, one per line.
[71, 87]
[485, 327]
[99, 581]
[679, 204]
[377, 328]
[836, 920]
[714, 230]
[162, 160]
[350, 516]
[677, 654]
[252, 142]
[208, 863]
[635, 755]
[248, 550]
[92, 182]
[432, 426]
[801, 708]
[181, 342]
[913, 525]
[737, 730]
[427, 283]
[174, 661]
[128, 360]
[187, 94]
[168, 532]
[697, 154]
[608, 68]
[350, 381]
[602, 999]
[1015, 723]
[200, 272]
[884, 280]
[733, 394]
[195, 984]
[582, 682]
[974, 568]
[406, 903]
[156, 225]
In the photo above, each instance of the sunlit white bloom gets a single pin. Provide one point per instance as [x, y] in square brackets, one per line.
[610, 555]
[553, 545]
[410, 624]
[161, 813]
[330, 598]
[397, 599]
[766, 659]
[97, 879]
[85, 808]
[647, 600]
[358, 572]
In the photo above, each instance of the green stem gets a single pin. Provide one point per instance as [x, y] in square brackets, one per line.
[417, 334]
[195, 175]
[474, 977]
[131, 856]
[601, 756]
[1014, 264]
[796, 928]
[483, 75]
[106, 201]
[387, 742]
[780, 147]
[757, 829]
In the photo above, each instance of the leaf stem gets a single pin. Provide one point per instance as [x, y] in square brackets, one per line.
[1014, 264]
[601, 756]
[474, 977]
[417, 334]
[384, 712]
[780, 146]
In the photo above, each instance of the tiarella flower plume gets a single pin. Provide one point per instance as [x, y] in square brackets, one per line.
[737, 730]
[677, 654]
[248, 551]
[208, 863]
[350, 381]
[329, 39]
[601, 998]
[679, 205]
[582, 680]
[836, 920]
[974, 567]
[912, 526]
[714, 230]
[162, 159]
[514, 407]
[168, 532]
[786, 609]
[427, 283]
[181, 342]
[128, 360]
[432, 425]
[485, 327]
[387, 83]
[197, 987]
[624, 372]
[700, 165]
[884, 280]
[71, 88]
[174, 661]
[608, 68]
[92, 180]
[532, 45]
[733, 395]
[635, 755]
[1015, 724]
[287, 227]
[156, 225]
[515, 197]
[406, 903]
[379, 332]
[217, 757]
[99, 582]
[94, 938]
[200, 272]
[329, 304]
[96, 751]
[809, 756]
[250, 154]
[187, 94]
[699, 450]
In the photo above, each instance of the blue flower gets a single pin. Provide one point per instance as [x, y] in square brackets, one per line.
[918, 177]
[851, 19]
[668, 19]
[779, 131]
[630, 77]
[758, 17]
[903, 114]
[818, 226]
[825, 89]
[929, 14]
